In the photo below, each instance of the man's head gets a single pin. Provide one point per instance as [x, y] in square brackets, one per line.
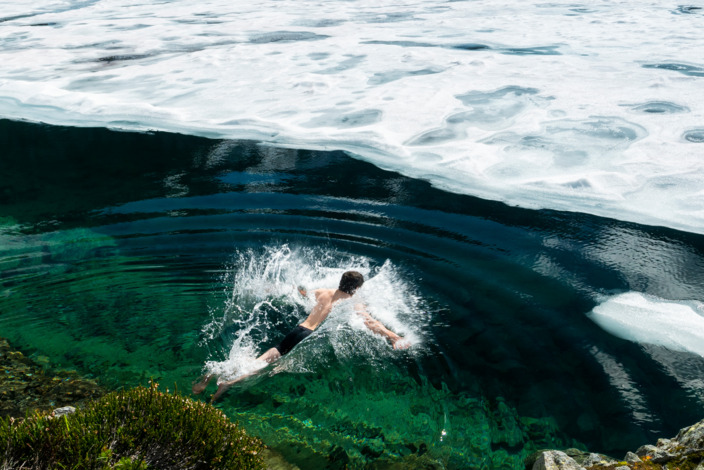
[350, 282]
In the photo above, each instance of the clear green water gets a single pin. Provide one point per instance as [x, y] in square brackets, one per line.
[134, 256]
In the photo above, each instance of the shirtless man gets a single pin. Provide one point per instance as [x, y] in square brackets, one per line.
[325, 299]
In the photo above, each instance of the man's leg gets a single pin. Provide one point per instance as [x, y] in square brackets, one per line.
[200, 386]
[296, 335]
[270, 356]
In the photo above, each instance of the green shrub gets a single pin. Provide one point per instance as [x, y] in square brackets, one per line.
[137, 429]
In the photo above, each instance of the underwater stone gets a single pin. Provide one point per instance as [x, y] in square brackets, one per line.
[632, 458]
[371, 453]
[338, 458]
[27, 386]
[276, 461]
[410, 462]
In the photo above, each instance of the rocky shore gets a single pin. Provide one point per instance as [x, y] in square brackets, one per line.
[683, 452]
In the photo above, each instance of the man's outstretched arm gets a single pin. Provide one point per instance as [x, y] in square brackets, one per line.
[376, 326]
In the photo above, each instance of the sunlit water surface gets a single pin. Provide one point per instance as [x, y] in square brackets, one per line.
[136, 256]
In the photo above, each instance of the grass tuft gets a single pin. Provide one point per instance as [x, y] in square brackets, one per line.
[137, 429]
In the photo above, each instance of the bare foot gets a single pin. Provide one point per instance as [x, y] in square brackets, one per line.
[202, 385]
[222, 388]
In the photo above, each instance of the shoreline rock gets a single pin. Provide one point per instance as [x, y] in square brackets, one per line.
[683, 452]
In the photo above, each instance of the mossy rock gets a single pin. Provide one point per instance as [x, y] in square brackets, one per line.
[687, 462]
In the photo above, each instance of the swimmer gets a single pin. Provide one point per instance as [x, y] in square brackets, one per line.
[325, 299]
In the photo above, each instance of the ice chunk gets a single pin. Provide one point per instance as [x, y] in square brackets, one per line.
[677, 325]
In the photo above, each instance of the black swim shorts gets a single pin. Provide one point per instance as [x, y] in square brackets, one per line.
[296, 335]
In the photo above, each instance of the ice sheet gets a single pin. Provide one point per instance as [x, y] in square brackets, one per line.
[593, 107]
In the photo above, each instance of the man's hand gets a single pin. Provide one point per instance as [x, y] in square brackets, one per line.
[400, 343]
[397, 342]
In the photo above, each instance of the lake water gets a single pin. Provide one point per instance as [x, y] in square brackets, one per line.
[520, 183]
[129, 256]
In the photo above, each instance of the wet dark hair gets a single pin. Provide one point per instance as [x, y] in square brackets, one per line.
[350, 282]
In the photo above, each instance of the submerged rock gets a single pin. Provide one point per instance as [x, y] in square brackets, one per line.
[276, 461]
[26, 386]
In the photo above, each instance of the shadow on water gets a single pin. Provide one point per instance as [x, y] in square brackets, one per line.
[117, 250]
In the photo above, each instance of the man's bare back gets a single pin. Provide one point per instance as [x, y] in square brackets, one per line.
[324, 301]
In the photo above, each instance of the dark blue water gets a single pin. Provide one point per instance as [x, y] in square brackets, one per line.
[119, 253]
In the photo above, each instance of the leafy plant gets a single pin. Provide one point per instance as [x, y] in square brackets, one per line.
[137, 429]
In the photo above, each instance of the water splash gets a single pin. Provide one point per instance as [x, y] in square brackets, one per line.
[264, 302]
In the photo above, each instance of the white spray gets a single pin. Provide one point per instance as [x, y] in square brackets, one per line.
[264, 301]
